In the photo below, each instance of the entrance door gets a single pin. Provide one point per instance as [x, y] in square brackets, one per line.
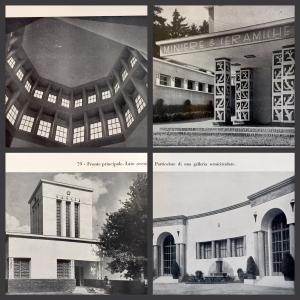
[280, 242]
[169, 253]
[79, 275]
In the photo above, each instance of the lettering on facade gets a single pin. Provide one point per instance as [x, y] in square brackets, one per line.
[236, 39]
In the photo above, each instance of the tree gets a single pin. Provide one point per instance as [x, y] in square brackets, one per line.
[288, 266]
[123, 237]
[178, 28]
[251, 268]
[204, 28]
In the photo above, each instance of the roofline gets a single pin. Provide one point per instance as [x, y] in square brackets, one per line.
[231, 31]
[183, 67]
[271, 188]
[50, 237]
[179, 217]
[60, 184]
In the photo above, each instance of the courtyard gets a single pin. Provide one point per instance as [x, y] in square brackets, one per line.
[217, 289]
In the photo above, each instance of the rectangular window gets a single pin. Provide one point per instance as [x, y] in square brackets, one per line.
[76, 220]
[63, 268]
[78, 135]
[12, 114]
[20, 74]
[190, 84]
[96, 130]
[28, 86]
[52, 98]
[38, 94]
[178, 82]
[210, 88]
[124, 75]
[78, 103]
[163, 79]
[92, 98]
[11, 61]
[117, 87]
[200, 86]
[207, 250]
[223, 248]
[21, 268]
[61, 134]
[26, 123]
[106, 94]
[140, 103]
[65, 102]
[114, 126]
[44, 129]
[68, 223]
[128, 117]
[237, 246]
[133, 61]
[58, 218]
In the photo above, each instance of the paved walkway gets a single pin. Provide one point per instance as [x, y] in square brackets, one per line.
[84, 290]
[216, 289]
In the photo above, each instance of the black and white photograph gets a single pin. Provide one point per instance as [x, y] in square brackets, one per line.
[224, 76]
[77, 78]
[76, 232]
[223, 224]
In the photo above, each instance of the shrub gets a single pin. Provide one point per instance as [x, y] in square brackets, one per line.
[251, 268]
[241, 274]
[288, 266]
[175, 271]
[159, 107]
[199, 274]
[187, 105]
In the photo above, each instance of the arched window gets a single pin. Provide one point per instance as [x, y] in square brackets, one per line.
[169, 252]
[280, 241]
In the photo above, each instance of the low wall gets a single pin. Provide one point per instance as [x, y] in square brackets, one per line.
[40, 285]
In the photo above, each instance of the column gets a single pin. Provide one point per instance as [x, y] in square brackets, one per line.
[103, 122]
[288, 85]
[217, 253]
[34, 86]
[10, 268]
[202, 250]
[47, 92]
[276, 86]
[86, 126]
[228, 250]
[255, 243]
[53, 131]
[72, 269]
[36, 122]
[70, 131]
[213, 249]
[120, 116]
[172, 81]
[141, 88]
[185, 84]
[261, 252]
[233, 247]
[182, 259]
[110, 88]
[155, 260]
[84, 97]
[222, 92]
[245, 245]
[178, 254]
[198, 251]
[292, 238]
[243, 95]
[72, 219]
[63, 218]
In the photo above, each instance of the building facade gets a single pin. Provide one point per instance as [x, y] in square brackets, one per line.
[220, 241]
[59, 252]
[252, 57]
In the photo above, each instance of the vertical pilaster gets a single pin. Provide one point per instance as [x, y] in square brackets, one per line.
[233, 247]
[86, 126]
[172, 81]
[141, 88]
[228, 247]
[36, 122]
[198, 251]
[103, 122]
[63, 218]
[277, 86]
[72, 269]
[292, 238]
[129, 103]
[177, 252]
[72, 219]
[217, 250]
[255, 243]
[261, 252]
[222, 92]
[202, 250]
[70, 131]
[120, 116]
[10, 268]
[182, 259]
[155, 261]
[213, 249]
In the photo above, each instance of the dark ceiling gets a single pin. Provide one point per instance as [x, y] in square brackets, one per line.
[67, 54]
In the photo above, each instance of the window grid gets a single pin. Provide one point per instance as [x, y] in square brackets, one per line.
[38, 94]
[140, 103]
[28, 86]
[11, 61]
[114, 126]
[163, 79]
[65, 102]
[92, 98]
[133, 61]
[44, 129]
[21, 268]
[223, 248]
[207, 250]
[117, 87]
[124, 75]
[52, 98]
[61, 134]
[78, 102]
[239, 247]
[129, 118]
[78, 135]
[58, 218]
[96, 130]
[63, 268]
[26, 123]
[20, 74]
[12, 114]
[106, 94]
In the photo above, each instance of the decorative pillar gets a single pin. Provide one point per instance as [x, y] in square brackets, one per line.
[255, 243]
[182, 259]
[72, 219]
[233, 247]
[72, 269]
[10, 268]
[63, 218]
[277, 86]
[217, 253]
[228, 250]
[222, 92]
[243, 95]
[177, 253]
[245, 245]
[213, 249]
[155, 260]
[288, 84]
[292, 238]
[261, 253]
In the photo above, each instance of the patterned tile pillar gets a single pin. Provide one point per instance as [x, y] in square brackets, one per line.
[72, 269]
[222, 92]
[288, 84]
[277, 87]
[10, 268]
[243, 96]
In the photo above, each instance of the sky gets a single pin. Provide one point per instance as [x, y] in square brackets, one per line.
[189, 193]
[193, 14]
[109, 188]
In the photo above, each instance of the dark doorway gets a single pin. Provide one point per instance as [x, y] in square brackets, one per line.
[79, 275]
[169, 252]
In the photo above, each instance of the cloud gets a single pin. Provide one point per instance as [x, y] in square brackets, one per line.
[13, 224]
[96, 184]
